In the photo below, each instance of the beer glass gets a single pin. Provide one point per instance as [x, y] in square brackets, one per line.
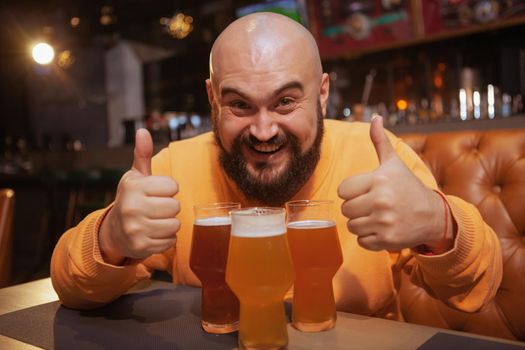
[209, 253]
[260, 272]
[316, 254]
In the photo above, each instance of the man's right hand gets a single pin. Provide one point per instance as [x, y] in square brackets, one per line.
[142, 220]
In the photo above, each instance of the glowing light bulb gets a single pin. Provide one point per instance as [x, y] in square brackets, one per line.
[463, 104]
[401, 104]
[43, 53]
[491, 101]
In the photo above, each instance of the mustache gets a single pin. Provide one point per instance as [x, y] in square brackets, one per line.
[250, 140]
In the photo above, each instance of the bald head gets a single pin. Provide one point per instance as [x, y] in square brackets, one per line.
[268, 97]
[264, 40]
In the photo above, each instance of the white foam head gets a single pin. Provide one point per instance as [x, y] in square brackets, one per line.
[258, 222]
[304, 224]
[214, 221]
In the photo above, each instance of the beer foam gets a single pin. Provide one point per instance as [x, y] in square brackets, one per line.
[306, 224]
[258, 222]
[214, 221]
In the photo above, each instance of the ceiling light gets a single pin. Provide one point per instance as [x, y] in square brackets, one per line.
[43, 53]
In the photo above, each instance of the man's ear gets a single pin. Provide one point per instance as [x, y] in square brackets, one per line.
[209, 91]
[324, 92]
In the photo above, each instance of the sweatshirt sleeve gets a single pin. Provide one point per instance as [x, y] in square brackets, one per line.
[467, 276]
[80, 276]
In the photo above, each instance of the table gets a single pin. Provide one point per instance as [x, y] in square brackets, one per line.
[351, 332]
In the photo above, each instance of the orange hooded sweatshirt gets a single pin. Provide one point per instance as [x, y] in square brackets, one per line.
[466, 277]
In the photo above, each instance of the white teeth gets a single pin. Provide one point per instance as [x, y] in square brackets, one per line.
[266, 148]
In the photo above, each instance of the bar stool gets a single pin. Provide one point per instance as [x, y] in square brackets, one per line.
[90, 190]
[7, 205]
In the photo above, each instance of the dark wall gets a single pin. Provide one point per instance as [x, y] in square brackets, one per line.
[178, 83]
[46, 105]
[70, 104]
[13, 73]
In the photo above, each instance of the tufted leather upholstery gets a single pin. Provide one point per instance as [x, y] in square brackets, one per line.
[487, 169]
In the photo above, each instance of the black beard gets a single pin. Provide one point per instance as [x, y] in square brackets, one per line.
[279, 189]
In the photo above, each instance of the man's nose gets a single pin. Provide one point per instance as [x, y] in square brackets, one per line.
[263, 126]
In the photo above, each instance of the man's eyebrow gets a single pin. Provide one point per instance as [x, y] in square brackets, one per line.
[291, 85]
[230, 90]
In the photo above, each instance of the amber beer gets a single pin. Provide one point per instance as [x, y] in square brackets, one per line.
[260, 271]
[209, 253]
[316, 255]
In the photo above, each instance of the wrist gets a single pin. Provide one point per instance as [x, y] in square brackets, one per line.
[107, 247]
[444, 240]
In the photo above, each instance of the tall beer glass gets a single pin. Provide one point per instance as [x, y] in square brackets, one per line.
[209, 253]
[260, 272]
[316, 254]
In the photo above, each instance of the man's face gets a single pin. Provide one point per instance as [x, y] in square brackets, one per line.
[269, 127]
[268, 98]
[271, 182]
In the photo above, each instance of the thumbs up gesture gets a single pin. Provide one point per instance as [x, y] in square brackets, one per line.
[142, 220]
[390, 208]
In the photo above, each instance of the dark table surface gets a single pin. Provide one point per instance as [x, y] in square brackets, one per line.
[160, 315]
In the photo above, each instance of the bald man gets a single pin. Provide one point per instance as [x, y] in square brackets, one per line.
[270, 144]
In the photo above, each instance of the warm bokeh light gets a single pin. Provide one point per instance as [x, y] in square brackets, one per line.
[75, 21]
[179, 26]
[106, 15]
[65, 59]
[401, 104]
[106, 20]
[438, 81]
[43, 53]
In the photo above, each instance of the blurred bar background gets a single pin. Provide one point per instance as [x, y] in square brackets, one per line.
[67, 119]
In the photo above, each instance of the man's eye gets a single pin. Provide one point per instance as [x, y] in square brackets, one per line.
[285, 101]
[239, 105]
[285, 104]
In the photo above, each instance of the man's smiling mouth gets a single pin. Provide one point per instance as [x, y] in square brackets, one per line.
[266, 148]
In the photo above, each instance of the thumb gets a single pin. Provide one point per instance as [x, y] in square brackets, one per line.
[384, 148]
[143, 152]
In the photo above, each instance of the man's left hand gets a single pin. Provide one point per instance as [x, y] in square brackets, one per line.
[390, 208]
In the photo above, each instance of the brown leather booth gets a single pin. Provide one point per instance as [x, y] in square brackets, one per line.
[486, 168]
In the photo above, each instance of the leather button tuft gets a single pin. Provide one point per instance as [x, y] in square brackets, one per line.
[496, 189]
[390, 316]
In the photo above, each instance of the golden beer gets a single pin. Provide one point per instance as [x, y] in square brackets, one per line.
[260, 272]
[209, 253]
[316, 254]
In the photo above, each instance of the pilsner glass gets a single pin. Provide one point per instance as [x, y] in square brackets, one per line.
[209, 253]
[316, 254]
[260, 272]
